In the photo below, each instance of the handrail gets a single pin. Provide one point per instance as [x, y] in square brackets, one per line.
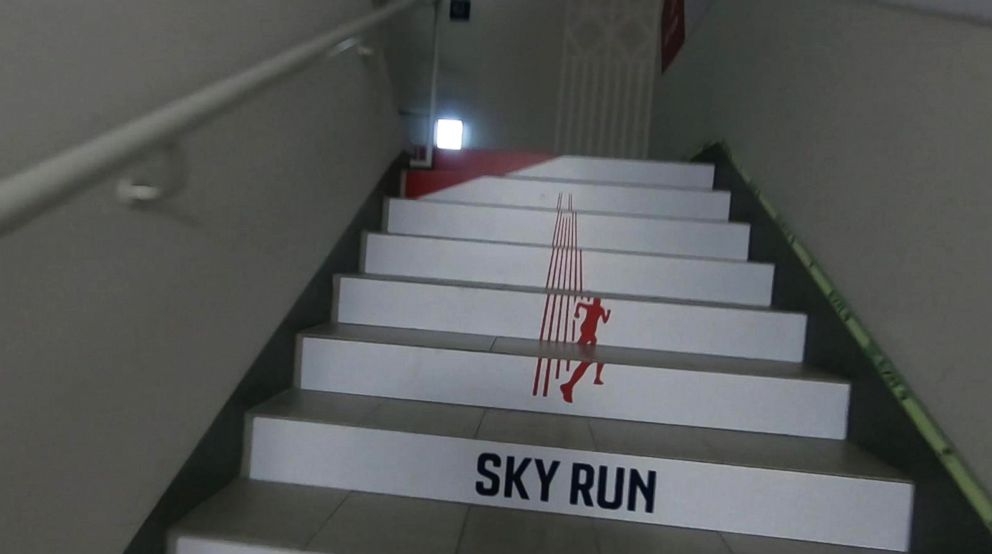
[41, 186]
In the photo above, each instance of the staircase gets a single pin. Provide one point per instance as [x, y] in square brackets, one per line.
[573, 357]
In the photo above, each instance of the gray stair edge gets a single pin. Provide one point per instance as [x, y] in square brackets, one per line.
[874, 470]
[612, 355]
[580, 211]
[206, 523]
[612, 215]
[605, 184]
[540, 290]
[613, 251]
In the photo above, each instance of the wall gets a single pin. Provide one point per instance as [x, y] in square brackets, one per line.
[610, 56]
[124, 331]
[868, 128]
[979, 10]
[695, 11]
[499, 71]
[565, 76]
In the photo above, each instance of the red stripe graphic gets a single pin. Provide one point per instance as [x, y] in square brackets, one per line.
[563, 282]
[559, 224]
[559, 298]
[574, 282]
[554, 333]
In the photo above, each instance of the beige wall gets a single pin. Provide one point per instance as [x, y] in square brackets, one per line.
[869, 128]
[122, 333]
[979, 10]
[499, 71]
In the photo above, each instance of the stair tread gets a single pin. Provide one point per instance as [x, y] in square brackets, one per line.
[738, 448]
[542, 290]
[697, 237]
[613, 355]
[496, 180]
[658, 276]
[582, 211]
[587, 213]
[547, 247]
[297, 518]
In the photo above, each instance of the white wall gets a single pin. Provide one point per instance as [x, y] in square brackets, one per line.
[124, 332]
[869, 129]
[499, 71]
[695, 11]
[566, 76]
[976, 9]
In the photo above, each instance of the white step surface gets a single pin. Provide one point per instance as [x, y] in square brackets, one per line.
[658, 388]
[657, 201]
[672, 476]
[604, 272]
[609, 170]
[682, 237]
[524, 313]
[255, 517]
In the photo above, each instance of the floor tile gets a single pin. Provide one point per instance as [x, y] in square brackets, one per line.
[426, 417]
[536, 429]
[270, 513]
[618, 537]
[749, 544]
[503, 531]
[646, 439]
[342, 409]
[379, 524]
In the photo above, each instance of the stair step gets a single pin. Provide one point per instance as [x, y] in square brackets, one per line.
[518, 313]
[656, 387]
[682, 237]
[609, 170]
[603, 272]
[256, 517]
[786, 487]
[693, 203]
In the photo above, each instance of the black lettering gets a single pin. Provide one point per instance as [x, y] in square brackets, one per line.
[546, 475]
[493, 487]
[637, 484]
[604, 478]
[513, 478]
[582, 478]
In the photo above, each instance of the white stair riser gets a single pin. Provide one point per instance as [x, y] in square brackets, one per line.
[603, 272]
[607, 170]
[684, 203]
[648, 394]
[530, 226]
[201, 545]
[698, 495]
[507, 313]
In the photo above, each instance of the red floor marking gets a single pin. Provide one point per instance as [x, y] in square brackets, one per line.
[558, 297]
[453, 167]
[590, 324]
[564, 298]
[559, 225]
[561, 328]
[568, 286]
[574, 280]
[581, 287]
[555, 299]
[575, 271]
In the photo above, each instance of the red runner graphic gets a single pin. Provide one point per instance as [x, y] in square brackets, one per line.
[563, 304]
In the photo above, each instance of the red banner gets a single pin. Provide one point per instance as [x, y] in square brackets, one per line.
[672, 31]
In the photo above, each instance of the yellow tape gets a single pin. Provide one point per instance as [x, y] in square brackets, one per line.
[965, 479]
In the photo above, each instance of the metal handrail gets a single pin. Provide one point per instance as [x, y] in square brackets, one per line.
[30, 192]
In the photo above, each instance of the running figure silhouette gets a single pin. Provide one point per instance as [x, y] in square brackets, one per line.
[587, 337]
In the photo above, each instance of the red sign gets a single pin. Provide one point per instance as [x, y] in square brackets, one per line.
[672, 31]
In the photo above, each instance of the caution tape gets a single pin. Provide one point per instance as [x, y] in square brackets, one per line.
[970, 486]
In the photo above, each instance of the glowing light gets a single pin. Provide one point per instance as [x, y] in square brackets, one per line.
[449, 133]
